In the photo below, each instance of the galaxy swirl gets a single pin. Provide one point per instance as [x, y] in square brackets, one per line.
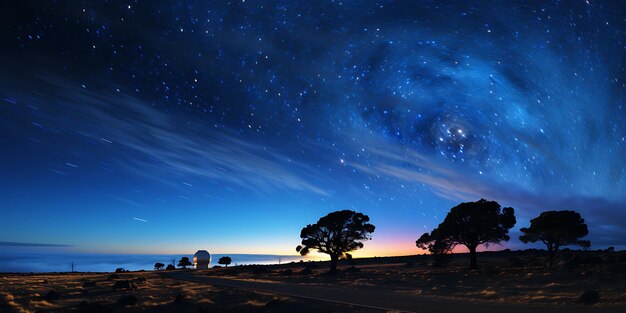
[284, 110]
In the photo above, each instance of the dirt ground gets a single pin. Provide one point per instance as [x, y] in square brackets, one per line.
[511, 277]
[503, 277]
[153, 293]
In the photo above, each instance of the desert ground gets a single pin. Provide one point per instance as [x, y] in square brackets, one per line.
[506, 280]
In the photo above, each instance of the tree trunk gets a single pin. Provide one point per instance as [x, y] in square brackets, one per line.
[473, 262]
[333, 263]
[550, 256]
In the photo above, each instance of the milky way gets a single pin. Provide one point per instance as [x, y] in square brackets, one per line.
[126, 111]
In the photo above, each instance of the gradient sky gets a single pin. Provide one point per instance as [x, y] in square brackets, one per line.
[172, 126]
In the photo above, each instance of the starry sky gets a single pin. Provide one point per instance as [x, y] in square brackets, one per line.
[171, 126]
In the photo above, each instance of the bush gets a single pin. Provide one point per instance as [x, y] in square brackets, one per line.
[589, 297]
[287, 272]
[306, 271]
[311, 265]
[352, 270]
[123, 284]
[120, 270]
[516, 262]
[52, 296]
[113, 276]
[170, 267]
[442, 260]
[88, 284]
[127, 300]
[259, 270]
[622, 258]
[180, 298]
[233, 272]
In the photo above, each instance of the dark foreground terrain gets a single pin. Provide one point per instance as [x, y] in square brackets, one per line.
[505, 279]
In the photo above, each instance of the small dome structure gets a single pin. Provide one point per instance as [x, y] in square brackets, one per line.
[201, 260]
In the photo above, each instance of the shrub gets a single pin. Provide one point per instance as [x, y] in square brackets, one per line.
[442, 260]
[589, 297]
[123, 284]
[306, 271]
[353, 270]
[170, 267]
[88, 284]
[52, 296]
[120, 270]
[516, 262]
[180, 298]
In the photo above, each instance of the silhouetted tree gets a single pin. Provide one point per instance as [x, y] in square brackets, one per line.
[158, 266]
[184, 262]
[436, 245]
[471, 224]
[556, 229]
[335, 234]
[225, 260]
[170, 267]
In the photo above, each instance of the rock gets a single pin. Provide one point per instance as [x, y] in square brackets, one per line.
[589, 297]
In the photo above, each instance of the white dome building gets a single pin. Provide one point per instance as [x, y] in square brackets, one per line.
[201, 260]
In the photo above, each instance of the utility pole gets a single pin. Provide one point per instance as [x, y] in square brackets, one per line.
[72, 267]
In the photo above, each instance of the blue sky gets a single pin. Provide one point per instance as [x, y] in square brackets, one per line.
[164, 128]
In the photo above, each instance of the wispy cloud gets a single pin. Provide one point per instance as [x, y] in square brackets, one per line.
[30, 244]
[604, 216]
[166, 149]
[139, 219]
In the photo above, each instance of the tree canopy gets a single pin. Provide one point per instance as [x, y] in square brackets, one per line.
[158, 266]
[184, 262]
[336, 234]
[436, 244]
[470, 224]
[225, 260]
[556, 229]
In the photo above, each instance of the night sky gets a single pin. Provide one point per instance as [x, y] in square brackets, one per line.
[172, 126]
